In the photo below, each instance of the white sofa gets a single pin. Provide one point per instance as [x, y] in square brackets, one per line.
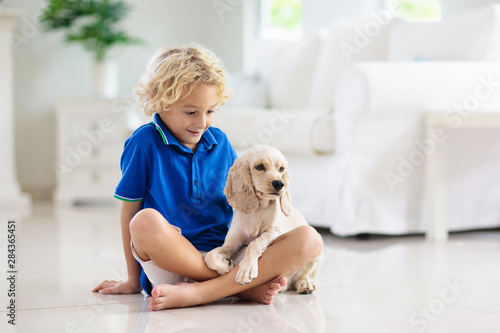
[346, 106]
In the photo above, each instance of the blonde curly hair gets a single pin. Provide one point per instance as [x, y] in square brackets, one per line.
[174, 72]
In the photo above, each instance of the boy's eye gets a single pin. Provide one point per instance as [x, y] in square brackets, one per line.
[191, 113]
[260, 167]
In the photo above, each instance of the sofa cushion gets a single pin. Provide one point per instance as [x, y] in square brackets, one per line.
[292, 132]
[288, 68]
[248, 90]
[471, 36]
[348, 41]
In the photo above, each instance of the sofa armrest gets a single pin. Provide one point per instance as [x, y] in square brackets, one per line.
[380, 134]
[401, 91]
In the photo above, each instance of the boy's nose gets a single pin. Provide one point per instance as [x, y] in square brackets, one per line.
[201, 121]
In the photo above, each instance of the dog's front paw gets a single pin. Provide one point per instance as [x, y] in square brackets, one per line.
[246, 273]
[218, 262]
[224, 266]
[305, 286]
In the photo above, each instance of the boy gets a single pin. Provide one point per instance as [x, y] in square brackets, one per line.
[174, 210]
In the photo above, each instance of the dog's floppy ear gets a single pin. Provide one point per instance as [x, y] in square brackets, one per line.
[239, 189]
[286, 198]
[286, 203]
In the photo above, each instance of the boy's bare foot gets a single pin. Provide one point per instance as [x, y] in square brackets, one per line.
[167, 296]
[265, 293]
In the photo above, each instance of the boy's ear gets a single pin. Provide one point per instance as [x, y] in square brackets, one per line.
[239, 189]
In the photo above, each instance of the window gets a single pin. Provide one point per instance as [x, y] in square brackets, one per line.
[281, 19]
[417, 10]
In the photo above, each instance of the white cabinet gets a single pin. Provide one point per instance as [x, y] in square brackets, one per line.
[90, 138]
[13, 203]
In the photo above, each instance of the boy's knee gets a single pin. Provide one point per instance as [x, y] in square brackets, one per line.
[146, 220]
[311, 243]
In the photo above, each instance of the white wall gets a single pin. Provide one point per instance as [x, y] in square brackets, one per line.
[454, 7]
[47, 68]
[318, 13]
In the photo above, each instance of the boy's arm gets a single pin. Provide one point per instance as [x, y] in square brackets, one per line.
[128, 211]
[132, 285]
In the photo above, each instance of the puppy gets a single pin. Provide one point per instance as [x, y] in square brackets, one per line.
[257, 189]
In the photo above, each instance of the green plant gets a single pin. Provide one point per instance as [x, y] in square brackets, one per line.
[286, 14]
[92, 23]
[420, 10]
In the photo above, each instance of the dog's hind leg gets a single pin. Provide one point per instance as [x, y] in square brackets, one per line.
[303, 279]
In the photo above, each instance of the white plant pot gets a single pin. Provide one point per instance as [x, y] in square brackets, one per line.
[105, 80]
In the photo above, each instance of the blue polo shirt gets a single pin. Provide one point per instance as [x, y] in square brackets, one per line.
[185, 187]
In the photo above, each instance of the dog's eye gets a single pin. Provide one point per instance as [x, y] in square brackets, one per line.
[282, 169]
[260, 167]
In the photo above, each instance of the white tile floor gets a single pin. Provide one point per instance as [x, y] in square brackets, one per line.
[384, 284]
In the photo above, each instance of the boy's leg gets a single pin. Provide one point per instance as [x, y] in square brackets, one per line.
[157, 240]
[287, 254]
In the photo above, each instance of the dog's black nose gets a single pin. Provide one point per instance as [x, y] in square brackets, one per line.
[277, 184]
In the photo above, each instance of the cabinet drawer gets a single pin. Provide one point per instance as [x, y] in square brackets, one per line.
[93, 129]
[86, 151]
[94, 177]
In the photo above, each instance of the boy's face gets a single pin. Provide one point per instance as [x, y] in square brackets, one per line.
[191, 116]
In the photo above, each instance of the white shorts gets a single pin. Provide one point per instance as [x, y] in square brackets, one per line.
[157, 275]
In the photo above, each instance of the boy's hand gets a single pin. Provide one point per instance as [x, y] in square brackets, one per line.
[117, 287]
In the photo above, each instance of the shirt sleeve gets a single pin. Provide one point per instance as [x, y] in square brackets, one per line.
[134, 166]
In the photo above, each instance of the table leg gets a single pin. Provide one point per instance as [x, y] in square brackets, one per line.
[435, 191]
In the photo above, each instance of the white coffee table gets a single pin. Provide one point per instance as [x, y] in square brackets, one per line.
[435, 186]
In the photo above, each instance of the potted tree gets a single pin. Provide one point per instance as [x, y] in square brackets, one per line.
[95, 25]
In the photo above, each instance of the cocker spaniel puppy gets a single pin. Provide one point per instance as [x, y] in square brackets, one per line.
[257, 189]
